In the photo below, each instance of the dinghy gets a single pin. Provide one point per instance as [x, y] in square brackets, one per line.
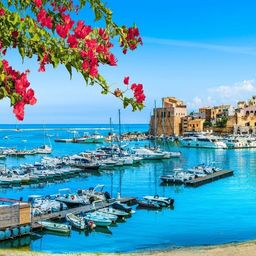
[56, 227]
[79, 222]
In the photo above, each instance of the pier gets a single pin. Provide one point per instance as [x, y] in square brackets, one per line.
[209, 178]
[62, 214]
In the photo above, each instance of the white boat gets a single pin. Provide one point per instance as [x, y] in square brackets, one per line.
[110, 216]
[98, 220]
[118, 213]
[148, 154]
[69, 198]
[79, 222]
[163, 201]
[56, 227]
[203, 141]
[44, 149]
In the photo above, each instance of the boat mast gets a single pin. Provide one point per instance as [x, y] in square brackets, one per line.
[155, 124]
[110, 132]
[119, 139]
[163, 124]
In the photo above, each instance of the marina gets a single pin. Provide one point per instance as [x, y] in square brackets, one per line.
[135, 183]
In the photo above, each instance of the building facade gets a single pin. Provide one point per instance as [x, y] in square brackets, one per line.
[167, 120]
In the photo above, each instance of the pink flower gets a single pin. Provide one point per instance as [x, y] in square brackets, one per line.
[2, 12]
[126, 80]
[38, 3]
[72, 41]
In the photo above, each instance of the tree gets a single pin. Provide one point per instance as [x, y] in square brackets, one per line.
[45, 29]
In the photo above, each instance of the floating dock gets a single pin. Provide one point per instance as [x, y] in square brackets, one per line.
[209, 178]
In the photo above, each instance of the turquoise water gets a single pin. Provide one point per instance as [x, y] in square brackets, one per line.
[220, 212]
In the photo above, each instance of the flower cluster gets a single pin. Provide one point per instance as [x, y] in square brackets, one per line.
[16, 83]
[48, 32]
[138, 92]
[137, 89]
[132, 36]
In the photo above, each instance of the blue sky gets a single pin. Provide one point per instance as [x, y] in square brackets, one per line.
[202, 51]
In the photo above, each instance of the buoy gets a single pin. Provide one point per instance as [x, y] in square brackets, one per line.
[7, 233]
[22, 230]
[28, 229]
[15, 231]
[2, 235]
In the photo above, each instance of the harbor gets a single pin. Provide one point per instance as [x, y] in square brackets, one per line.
[135, 183]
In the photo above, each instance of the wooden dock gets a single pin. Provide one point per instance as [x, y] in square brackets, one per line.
[209, 178]
[62, 214]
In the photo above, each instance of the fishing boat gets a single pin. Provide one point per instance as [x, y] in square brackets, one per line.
[56, 227]
[113, 211]
[98, 220]
[162, 201]
[79, 222]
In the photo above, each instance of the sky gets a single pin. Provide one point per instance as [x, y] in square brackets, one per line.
[201, 51]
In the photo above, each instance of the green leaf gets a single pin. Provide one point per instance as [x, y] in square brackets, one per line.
[69, 68]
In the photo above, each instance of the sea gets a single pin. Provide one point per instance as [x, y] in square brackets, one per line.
[216, 213]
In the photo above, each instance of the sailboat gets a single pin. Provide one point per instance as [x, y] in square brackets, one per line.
[44, 149]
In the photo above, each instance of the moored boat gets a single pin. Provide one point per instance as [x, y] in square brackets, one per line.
[56, 227]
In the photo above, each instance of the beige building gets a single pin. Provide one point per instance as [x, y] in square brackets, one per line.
[167, 120]
[244, 120]
[191, 124]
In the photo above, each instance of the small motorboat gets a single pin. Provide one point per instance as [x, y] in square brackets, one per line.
[113, 211]
[148, 204]
[56, 227]
[122, 207]
[79, 222]
[98, 220]
[110, 216]
[162, 201]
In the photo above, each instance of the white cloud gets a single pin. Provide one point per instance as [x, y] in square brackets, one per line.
[238, 89]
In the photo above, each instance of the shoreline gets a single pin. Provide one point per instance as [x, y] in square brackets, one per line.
[231, 249]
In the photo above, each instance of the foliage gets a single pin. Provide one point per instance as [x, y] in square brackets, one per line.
[44, 29]
[222, 122]
[207, 124]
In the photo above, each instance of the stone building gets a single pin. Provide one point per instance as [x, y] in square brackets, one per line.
[192, 124]
[244, 119]
[167, 119]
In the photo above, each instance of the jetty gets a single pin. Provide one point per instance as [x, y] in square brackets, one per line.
[62, 214]
[209, 178]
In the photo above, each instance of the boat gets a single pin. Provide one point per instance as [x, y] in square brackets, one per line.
[79, 222]
[148, 204]
[110, 216]
[113, 211]
[148, 154]
[44, 149]
[95, 138]
[56, 227]
[202, 141]
[70, 199]
[162, 201]
[122, 207]
[98, 220]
